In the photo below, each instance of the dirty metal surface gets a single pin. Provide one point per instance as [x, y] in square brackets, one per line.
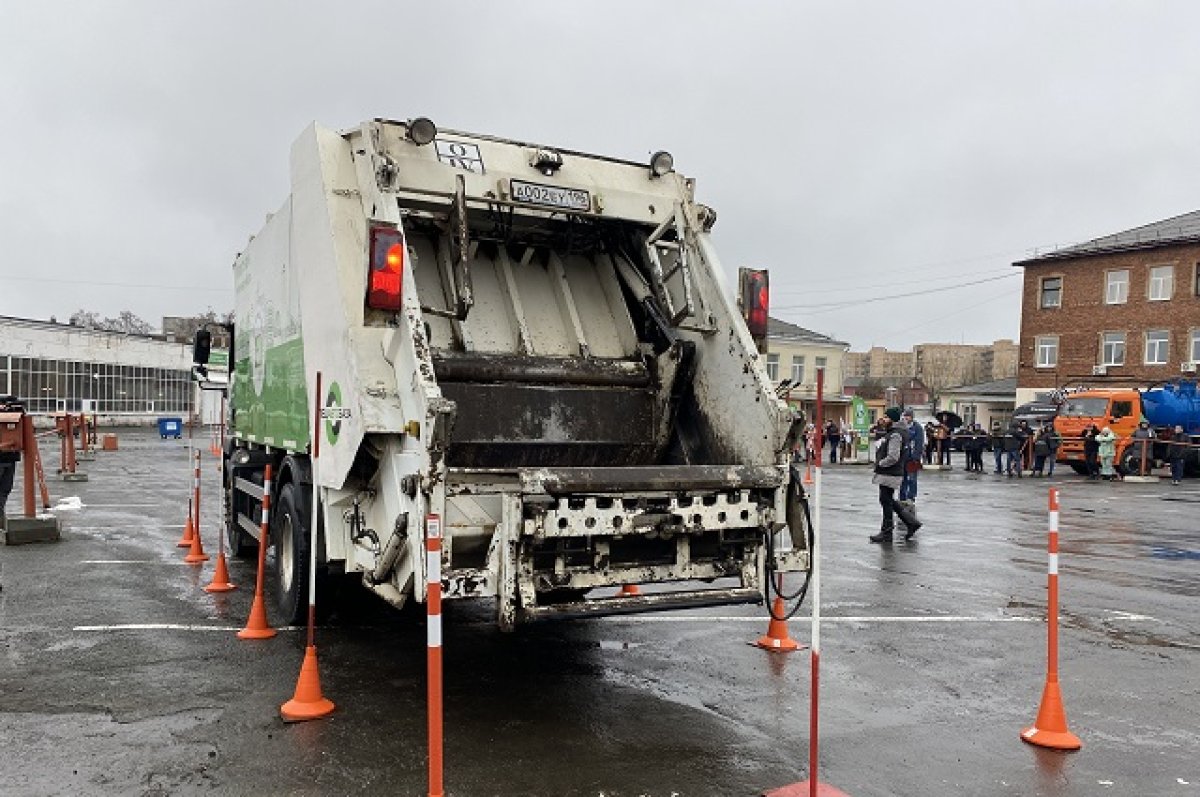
[120, 676]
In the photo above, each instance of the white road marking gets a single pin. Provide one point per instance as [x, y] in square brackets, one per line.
[170, 627]
[921, 618]
[130, 562]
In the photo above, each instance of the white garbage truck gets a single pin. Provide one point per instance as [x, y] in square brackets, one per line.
[532, 344]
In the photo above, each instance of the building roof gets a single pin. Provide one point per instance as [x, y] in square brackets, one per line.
[782, 330]
[1006, 388]
[1180, 229]
[63, 326]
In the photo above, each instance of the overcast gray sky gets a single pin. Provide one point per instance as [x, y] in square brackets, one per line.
[858, 150]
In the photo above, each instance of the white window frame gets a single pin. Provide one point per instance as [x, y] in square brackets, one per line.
[821, 364]
[1194, 345]
[773, 367]
[1105, 359]
[798, 363]
[1048, 345]
[1042, 292]
[1162, 346]
[1165, 284]
[1122, 286]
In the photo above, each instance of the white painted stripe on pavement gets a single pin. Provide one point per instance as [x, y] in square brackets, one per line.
[826, 618]
[131, 562]
[171, 627]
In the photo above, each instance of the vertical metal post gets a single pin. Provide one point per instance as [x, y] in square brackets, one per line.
[816, 600]
[433, 605]
[315, 519]
[29, 444]
[1052, 586]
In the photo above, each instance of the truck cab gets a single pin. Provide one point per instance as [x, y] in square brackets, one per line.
[1119, 409]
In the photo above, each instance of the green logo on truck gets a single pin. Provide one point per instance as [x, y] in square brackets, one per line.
[334, 413]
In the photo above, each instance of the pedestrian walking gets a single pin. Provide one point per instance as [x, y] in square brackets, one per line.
[1107, 441]
[912, 459]
[889, 472]
[1176, 453]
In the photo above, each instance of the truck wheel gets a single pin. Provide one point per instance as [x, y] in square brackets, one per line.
[289, 533]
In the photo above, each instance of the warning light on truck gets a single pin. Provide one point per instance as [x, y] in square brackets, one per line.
[755, 295]
[387, 267]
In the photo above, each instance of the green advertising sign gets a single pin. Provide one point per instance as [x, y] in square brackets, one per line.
[859, 420]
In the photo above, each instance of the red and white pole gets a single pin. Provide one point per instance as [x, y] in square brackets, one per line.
[1050, 727]
[433, 607]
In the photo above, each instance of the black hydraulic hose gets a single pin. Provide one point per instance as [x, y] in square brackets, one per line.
[772, 588]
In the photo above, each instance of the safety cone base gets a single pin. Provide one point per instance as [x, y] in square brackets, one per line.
[188, 532]
[803, 789]
[256, 633]
[785, 645]
[1055, 740]
[307, 702]
[226, 587]
[299, 711]
[195, 558]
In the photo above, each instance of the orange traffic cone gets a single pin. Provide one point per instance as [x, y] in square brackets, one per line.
[220, 581]
[807, 473]
[777, 634]
[189, 531]
[256, 625]
[629, 589]
[1050, 727]
[196, 555]
[307, 703]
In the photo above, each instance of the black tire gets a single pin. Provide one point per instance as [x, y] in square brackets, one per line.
[241, 544]
[289, 536]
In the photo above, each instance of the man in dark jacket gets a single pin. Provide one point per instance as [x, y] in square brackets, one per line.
[889, 472]
[1014, 448]
[8, 459]
[1176, 452]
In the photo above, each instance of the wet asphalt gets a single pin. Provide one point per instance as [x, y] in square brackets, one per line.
[933, 660]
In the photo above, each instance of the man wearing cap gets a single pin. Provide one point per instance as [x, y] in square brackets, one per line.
[1140, 451]
[889, 472]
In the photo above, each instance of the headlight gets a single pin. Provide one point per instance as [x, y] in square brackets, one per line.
[421, 131]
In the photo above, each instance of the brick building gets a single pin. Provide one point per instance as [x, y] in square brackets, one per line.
[1120, 310]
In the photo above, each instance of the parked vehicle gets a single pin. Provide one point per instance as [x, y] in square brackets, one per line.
[531, 343]
[1122, 409]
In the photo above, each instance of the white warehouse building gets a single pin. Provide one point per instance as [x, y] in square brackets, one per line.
[123, 378]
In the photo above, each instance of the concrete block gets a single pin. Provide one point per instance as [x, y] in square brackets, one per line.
[21, 530]
[74, 477]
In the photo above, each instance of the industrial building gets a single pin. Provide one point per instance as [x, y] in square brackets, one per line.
[123, 378]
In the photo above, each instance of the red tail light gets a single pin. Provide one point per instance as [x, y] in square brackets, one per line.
[386, 268]
[756, 301]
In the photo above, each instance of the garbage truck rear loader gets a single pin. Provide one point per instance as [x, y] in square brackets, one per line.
[531, 343]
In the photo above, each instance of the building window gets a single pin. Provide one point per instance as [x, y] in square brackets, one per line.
[969, 414]
[820, 363]
[1051, 292]
[1047, 351]
[797, 369]
[1194, 347]
[1113, 350]
[1162, 283]
[1116, 290]
[1196, 281]
[1157, 346]
[773, 367]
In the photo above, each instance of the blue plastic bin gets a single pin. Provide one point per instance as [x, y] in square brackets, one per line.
[170, 427]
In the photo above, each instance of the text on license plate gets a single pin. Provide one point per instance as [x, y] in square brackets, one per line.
[553, 196]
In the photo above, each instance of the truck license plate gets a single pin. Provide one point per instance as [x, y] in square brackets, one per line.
[551, 196]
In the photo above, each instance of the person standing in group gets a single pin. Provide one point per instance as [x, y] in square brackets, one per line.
[833, 437]
[1014, 446]
[1053, 438]
[889, 472]
[930, 437]
[1107, 442]
[1091, 451]
[1140, 451]
[1041, 450]
[979, 444]
[8, 459]
[1176, 452]
[997, 443]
